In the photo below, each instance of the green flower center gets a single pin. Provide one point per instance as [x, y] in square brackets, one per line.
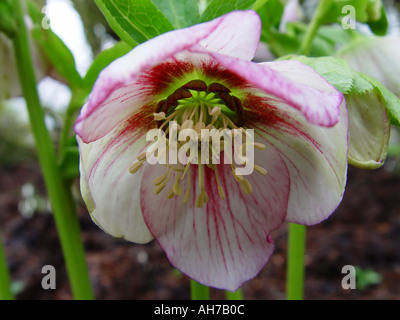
[208, 110]
[206, 106]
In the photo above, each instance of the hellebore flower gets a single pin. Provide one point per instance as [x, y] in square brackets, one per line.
[213, 224]
[369, 130]
[293, 12]
[377, 57]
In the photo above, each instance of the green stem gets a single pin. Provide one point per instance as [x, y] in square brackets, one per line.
[322, 9]
[199, 291]
[76, 101]
[237, 295]
[295, 264]
[5, 282]
[60, 196]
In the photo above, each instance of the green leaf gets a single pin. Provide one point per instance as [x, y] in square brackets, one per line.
[368, 106]
[371, 12]
[369, 129]
[380, 26]
[347, 81]
[102, 60]
[282, 44]
[335, 71]
[259, 4]
[270, 14]
[69, 165]
[8, 22]
[338, 12]
[181, 13]
[217, 8]
[367, 277]
[391, 100]
[335, 34]
[134, 21]
[59, 55]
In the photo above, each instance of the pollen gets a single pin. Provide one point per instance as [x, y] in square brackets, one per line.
[208, 110]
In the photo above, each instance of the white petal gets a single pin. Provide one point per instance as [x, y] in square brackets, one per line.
[226, 242]
[111, 193]
[316, 158]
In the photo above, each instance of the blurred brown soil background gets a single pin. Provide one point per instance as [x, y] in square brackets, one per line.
[364, 232]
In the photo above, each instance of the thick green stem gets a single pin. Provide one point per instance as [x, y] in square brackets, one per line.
[323, 7]
[60, 196]
[199, 291]
[295, 263]
[237, 295]
[77, 100]
[5, 282]
[297, 233]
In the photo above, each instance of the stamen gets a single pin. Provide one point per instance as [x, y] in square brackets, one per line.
[217, 87]
[260, 170]
[186, 169]
[141, 157]
[198, 106]
[200, 200]
[135, 167]
[181, 93]
[239, 106]
[178, 169]
[205, 195]
[259, 146]
[187, 124]
[246, 186]
[160, 187]
[159, 116]
[177, 187]
[170, 194]
[160, 179]
[227, 98]
[220, 189]
[215, 112]
[160, 106]
[197, 85]
[238, 178]
[187, 193]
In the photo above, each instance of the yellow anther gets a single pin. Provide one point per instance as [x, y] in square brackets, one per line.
[198, 126]
[135, 167]
[159, 116]
[259, 146]
[201, 110]
[246, 186]
[238, 178]
[187, 124]
[141, 157]
[200, 200]
[205, 200]
[177, 188]
[260, 170]
[160, 179]
[160, 187]
[215, 112]
[170, 194]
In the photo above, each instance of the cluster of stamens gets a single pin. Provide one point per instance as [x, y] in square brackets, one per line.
[199, 106]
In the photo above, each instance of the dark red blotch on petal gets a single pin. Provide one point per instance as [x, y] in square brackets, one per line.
[214, 70]
[160, 77]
